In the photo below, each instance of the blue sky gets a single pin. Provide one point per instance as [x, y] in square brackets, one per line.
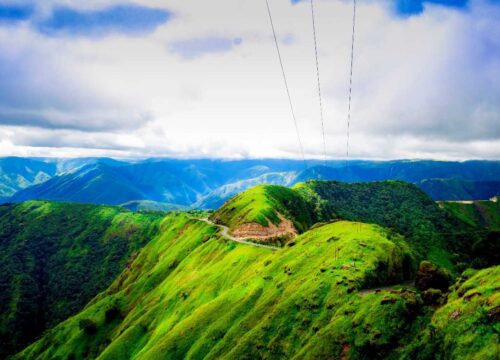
[14, 13]
[65, 20]
[194, 48]
[414, 7]
[181, 78]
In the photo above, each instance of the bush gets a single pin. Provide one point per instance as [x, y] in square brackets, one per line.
[112, 313]
[429, 276]
[88, 326]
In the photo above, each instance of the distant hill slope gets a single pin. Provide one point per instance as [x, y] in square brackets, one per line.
[55, 257]
[479, 214]
[99, 183]
[208, 184]
[458, 189]
[193, 294]
[18, 173]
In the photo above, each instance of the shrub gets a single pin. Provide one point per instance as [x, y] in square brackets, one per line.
[112, 314]
[88, 326]
[429, 276]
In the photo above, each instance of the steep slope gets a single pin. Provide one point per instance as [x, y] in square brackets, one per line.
[55, 257]
[479, 214]
[458, 189]
[192, 294]
[468, 325]
[264, 206]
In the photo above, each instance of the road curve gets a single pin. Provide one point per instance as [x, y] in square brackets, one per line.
[224, 230]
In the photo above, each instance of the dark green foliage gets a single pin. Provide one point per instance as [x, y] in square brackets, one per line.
[56, 257]
[89, 327]
[429, 276]
[112, 313]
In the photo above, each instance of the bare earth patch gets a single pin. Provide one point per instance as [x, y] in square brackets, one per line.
[258, 232]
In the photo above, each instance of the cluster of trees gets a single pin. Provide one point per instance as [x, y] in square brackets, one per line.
[55, 257]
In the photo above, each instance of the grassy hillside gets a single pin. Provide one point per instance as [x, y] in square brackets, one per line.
[191, 294]
[261, 204]
[468, 325]
[392, 204]
[484, 214]
[55, 257]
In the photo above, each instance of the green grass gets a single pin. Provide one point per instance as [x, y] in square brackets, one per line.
[399, 206]
[465, 328]
[261, 204]
[191, 294]
[478, 214]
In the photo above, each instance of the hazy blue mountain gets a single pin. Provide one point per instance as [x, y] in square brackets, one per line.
[406, 170]
[209, 183]
[20, 173]
[458, 189]
[98, 183]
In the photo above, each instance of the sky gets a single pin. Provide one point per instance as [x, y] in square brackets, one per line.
[198, 79]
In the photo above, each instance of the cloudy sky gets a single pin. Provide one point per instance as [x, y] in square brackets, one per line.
[179, 78]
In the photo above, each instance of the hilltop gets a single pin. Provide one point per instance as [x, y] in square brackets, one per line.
[400, 206]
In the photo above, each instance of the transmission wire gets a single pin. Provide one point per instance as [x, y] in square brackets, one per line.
[350, 82]
[286, 82]
[318, 80]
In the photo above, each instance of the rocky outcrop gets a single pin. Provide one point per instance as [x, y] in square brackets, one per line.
[256, 231]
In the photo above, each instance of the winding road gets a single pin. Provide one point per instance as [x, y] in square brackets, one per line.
[224, 230]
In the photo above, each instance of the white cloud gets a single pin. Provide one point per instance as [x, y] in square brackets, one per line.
[424, 86]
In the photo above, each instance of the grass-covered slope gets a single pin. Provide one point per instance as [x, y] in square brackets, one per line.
[55, 257]
[261, 204]
[393, 204]
[468, 325]
[191, 294]
[480, 214]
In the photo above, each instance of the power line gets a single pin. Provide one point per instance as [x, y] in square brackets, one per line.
[350, 81]
[286, 83]
[318, 79]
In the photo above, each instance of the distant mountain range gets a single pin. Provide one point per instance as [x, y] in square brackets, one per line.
[172, 184]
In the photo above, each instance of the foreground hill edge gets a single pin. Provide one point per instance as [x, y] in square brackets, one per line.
[192, 293]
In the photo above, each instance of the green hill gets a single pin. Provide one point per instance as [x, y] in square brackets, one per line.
[193, 294]
[55, 257]
[399, 206]
[341, 287]
[262, 204]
